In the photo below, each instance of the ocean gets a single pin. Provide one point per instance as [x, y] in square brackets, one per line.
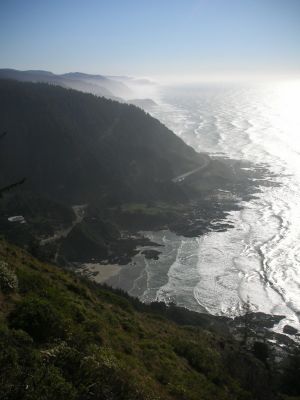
[259, 259]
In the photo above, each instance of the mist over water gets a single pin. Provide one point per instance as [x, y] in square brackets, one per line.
[259, 258]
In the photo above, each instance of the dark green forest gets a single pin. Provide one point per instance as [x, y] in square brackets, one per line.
[74, 147]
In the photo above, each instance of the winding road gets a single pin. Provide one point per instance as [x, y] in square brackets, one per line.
[181, 178]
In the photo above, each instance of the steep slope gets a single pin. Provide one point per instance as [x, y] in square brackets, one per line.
[62, 338]
[75, 147]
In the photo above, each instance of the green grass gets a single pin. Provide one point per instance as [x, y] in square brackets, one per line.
[64, 338]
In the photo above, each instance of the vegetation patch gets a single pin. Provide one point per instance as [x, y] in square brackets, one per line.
[66, 338]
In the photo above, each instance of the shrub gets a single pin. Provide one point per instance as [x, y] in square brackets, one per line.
[201, 358]
[31, 281]
[8, 279]
[47, 383]
[38, 318]
[17, 360]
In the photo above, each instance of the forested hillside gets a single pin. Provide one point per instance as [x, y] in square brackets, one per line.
[126, 170]
[74, 147]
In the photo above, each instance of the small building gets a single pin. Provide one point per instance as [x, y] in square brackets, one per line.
[17, 218]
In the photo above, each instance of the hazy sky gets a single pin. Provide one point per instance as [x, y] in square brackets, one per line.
[153, 37]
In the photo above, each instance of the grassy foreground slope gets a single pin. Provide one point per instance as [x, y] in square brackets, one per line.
[63, 338]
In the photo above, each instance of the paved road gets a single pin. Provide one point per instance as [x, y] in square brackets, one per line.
[181, 178]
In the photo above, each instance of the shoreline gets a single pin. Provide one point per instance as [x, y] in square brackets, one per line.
[98, 272]
[132, 279]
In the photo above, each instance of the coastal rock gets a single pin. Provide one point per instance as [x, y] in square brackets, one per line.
[151, 254]
[290, 330]
[259, 320]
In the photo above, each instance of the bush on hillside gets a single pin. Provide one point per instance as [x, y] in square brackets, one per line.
[8, 279]
[38, 317]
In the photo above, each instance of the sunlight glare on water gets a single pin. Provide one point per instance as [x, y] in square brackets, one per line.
[259, 258]
[284, 100]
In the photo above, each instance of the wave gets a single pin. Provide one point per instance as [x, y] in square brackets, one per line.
[259, 258]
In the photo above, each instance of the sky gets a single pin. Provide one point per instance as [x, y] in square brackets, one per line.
[153, 38]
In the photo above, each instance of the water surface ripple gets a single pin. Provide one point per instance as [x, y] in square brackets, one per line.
[259, 258]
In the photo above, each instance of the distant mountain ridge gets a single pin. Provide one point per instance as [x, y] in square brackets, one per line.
[95, 84]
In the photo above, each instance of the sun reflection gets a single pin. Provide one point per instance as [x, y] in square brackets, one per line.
[282, 114]
[285, 102]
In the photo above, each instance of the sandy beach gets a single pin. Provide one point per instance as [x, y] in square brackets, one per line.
[100, 272]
